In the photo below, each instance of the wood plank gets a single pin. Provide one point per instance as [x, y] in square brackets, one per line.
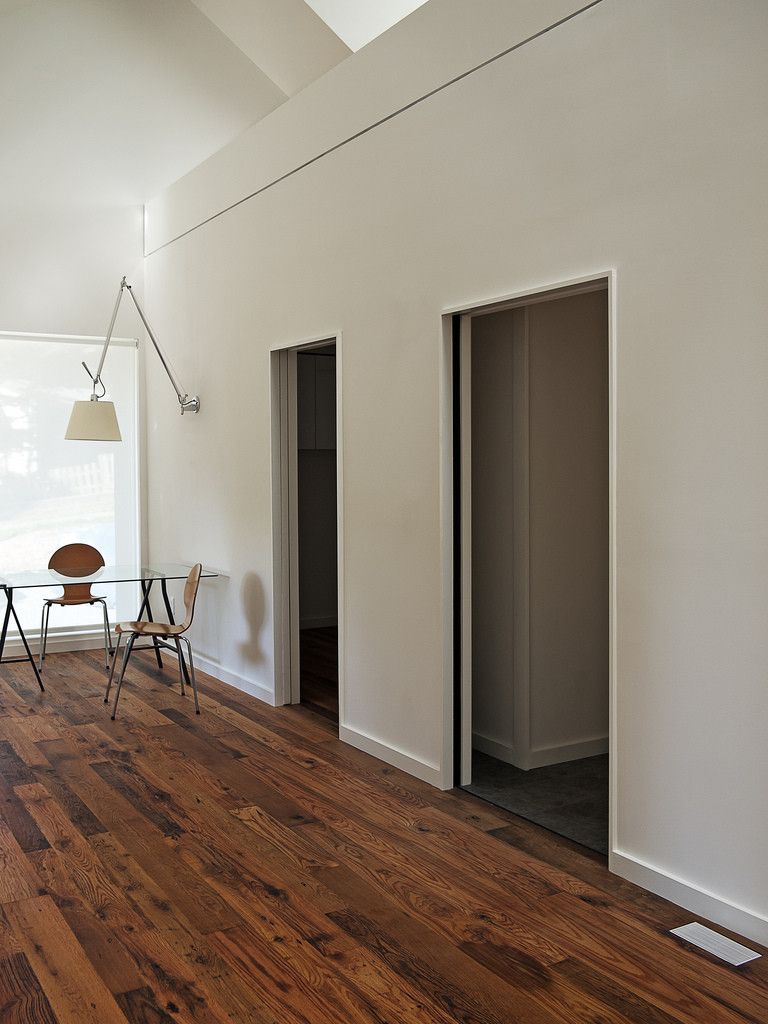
[18, 879]
[17, 818]
[72, 986]
[22, 1000]
[145, 842]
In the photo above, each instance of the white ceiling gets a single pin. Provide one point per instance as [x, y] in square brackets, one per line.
[109, 101]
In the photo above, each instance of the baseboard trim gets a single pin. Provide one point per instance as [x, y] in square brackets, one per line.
[392, 755]
[542, 756]
[717, 909]
[538, 757]
[56, 643]
[225, 675]
[494, 748]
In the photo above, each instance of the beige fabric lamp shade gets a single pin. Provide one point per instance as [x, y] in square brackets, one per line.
[93, 421]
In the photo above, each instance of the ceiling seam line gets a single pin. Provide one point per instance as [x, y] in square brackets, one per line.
[371, 127]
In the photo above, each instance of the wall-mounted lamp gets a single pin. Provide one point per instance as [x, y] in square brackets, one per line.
[95, 420]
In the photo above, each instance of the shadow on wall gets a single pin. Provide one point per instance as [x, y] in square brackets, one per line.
[253, 603]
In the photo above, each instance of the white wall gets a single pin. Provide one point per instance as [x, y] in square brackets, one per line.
[631, 136]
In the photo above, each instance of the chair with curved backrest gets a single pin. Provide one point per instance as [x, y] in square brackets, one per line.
[73, 561]
[164, 630]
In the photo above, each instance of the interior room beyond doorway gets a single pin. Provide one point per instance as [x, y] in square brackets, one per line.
[317, 529]
[534, 421]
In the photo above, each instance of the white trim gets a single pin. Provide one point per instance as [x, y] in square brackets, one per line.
[284, 517]
[499, 302]
[423, 770]
[280, 561]
[66, 640]
[465, 456]
[225, 675]
[290, 499]
[613, 670]
[539, 757]
[692, 897]
[495, 748]
[446, 541]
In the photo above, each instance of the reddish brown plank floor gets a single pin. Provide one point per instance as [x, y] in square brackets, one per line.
[246, 866]
[319, 659]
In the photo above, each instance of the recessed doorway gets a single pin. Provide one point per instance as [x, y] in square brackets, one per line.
[531, 380]
[305, 479]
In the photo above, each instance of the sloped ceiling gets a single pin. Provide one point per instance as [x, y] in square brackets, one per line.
[110, 101]
[285, 38]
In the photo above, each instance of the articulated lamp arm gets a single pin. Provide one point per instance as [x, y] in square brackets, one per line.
[188, 403]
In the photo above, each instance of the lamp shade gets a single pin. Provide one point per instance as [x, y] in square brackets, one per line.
[93, 421]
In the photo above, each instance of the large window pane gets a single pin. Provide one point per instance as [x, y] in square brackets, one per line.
[55, 492]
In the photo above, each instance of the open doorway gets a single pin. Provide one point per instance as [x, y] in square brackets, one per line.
[317, 518]
[533, 477]
[305, 485]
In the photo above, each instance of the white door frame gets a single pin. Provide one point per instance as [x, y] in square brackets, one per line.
[285, 533]
[465, 311]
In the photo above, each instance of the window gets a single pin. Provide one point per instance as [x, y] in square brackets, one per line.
[55, 492]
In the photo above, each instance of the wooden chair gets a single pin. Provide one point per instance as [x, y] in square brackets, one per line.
[164, 630]
[75, 560]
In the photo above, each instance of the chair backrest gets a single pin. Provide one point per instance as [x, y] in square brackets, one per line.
[76, 560]
[190, 593]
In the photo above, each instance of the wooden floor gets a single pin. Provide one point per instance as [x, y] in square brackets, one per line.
[319, 660]
[246, 866]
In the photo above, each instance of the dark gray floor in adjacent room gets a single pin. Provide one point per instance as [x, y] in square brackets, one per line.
[570, 798]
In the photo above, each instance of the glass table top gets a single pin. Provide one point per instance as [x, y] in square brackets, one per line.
[106, 574]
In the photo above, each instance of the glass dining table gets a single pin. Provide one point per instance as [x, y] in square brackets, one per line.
[145, 575]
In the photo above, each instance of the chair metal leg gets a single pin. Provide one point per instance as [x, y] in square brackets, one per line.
[192, 673]
[181, 665]
[43, 634]
[112, 670]
[126, 656]
[107, 633]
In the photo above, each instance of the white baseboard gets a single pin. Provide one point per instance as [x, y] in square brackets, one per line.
[542, 756]
[494, 748]
[319, 622]
[538, 757]
[691, 897]
[85, 641]
[216, 670]
[397, 758]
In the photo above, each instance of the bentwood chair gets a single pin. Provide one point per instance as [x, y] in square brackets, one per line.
[166, 632]
[73, 561]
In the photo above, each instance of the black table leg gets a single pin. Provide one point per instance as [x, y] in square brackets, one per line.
[169, 610]
[146, 586]
[10, 610]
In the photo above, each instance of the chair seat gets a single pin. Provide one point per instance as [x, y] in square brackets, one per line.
[149, 628]
[73, 600]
